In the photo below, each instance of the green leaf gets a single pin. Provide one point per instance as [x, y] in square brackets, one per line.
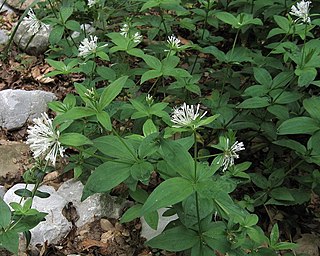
[262, 76]
[42, 194]
[10, 241]
[282, 194]
[299, 125]
[106, 177]
[106, 73]
[111, 91]
[274, 235]
[175, 239]
[56, 34]
[74, 139]
[132, 213]
[73, 25]
[174, 153]
[141, 171]
[5, 214]
[152, 62]
[65, 13]
[139, 195]
[312, 105]
[150, 74]
[255, 102]
[169, 192]
[23, 193]
[149, 128]
[152, 219]
[228, 18]
[104, 119]
[74, 113]
[292, 144]
[115, 147]
[215, 236]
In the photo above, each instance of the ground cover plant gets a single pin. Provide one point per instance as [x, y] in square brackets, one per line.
[218, 101]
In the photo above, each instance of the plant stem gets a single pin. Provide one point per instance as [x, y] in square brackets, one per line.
[196, 193]
[304, 45]
[202, 36]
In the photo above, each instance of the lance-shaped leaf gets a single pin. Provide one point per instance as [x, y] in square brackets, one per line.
[169, 192]
[111, 91]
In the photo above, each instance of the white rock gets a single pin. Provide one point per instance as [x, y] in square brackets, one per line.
[2, 191]
[56, 225]
[148, 233]
[93, 207]
[5, 7]
[19, 106]
[87, 210]
[29, 43]
[4, 38]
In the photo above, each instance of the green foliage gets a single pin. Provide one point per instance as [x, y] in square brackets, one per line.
[253, 70]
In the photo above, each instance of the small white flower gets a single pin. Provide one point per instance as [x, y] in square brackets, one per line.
[92, 2]
[137, 38]
[124, 31]
[301, 11]
[43, 139]
[33, 24]
[173, 42]
[90, 94]
[149, 99]
[185, 115]
[87, 28]
[88, 46]
[231, 153]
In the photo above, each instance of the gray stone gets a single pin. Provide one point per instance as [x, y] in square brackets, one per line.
[20, 5]
[12, 157]
[93, 207]
[56, 226]
[2, 191]
[29, 43]
[19, 106]
[4, 38]
[5, 7]
[148, 233]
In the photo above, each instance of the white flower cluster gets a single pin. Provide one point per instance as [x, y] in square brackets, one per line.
[173, 43]
[301, 11]
[231, 153]
[33, 24]
[43, 139]
[124, 31]
[185, 115]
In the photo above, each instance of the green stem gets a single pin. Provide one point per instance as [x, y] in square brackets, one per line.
[304, 45]
[294, 167]
[202, 36]
[234, 43]
[196, 180]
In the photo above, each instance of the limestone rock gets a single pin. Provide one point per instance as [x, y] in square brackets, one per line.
[5, 7]
[2, 191]
[94, 206]
[29, 43]
[149, 233]
[19, 106]
[56, 226]
[4, 38]
[12, 155]
[20, 5]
